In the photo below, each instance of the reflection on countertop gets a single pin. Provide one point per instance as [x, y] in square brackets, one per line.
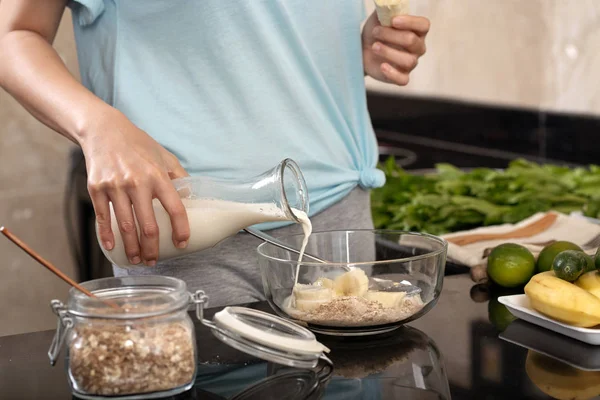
[465, 348]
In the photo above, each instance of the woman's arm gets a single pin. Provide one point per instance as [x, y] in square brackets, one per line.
[125, 165]
[31, 70]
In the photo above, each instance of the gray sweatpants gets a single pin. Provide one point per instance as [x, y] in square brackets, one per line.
[229, 272]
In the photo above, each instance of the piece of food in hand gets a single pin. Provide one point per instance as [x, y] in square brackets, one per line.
[310, 297]
[570, 265]
[562, 300]
[388, 9]
[510, 265]
[548, 253]
[351, 283]
[591, 282]
[386, 299]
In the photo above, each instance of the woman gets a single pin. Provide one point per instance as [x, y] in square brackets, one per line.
[224, 89]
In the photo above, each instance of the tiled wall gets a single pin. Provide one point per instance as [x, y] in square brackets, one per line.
[535, 53]
[574, 59]
[33, 173]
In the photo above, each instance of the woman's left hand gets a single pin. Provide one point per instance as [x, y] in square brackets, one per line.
[391, 53]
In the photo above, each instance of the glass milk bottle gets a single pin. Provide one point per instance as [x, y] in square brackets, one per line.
[218, 208]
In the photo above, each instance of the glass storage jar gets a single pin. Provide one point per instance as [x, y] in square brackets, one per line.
[136, 340]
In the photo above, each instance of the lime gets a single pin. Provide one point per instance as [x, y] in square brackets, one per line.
[570, 265]
[591, 266]
[546, 257]
[511, 265]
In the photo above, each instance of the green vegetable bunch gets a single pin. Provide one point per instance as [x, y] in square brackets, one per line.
[451, 200]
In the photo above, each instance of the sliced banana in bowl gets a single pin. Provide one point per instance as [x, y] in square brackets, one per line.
[352, 283]
[310, 297]
[386, 299]
[324, 282]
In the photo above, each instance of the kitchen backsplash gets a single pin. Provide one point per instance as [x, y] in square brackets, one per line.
[541, 54]
[473, 135]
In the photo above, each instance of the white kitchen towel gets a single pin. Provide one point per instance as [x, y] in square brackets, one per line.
[573, 228]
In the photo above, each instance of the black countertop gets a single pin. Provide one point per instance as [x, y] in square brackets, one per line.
[458, 347]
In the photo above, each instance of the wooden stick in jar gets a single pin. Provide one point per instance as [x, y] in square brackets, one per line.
[50, 266]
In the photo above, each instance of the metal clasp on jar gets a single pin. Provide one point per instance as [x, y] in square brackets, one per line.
[200, 299]
[64, 325]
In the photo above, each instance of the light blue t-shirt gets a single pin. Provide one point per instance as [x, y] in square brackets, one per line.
[234, 87]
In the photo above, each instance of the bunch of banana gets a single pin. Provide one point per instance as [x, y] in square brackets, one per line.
[590, 282]
[563, 301]
[561, 381]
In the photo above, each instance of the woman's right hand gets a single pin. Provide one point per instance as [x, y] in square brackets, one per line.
[125, 166]
[129, 168]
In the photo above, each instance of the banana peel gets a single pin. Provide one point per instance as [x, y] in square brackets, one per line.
[563, 301]
[559, 380]
[590, 282]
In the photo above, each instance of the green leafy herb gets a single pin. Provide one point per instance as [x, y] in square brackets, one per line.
[450, 199]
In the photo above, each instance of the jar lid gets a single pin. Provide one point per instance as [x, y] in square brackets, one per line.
[267, 336]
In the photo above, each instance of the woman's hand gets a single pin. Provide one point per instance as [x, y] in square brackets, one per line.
[128, 168]
[391, 53]
[125, 166]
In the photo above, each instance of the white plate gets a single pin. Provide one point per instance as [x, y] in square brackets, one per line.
[519, 306]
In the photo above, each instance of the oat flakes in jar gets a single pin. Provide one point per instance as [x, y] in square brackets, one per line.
[139, 345]
[136, 339]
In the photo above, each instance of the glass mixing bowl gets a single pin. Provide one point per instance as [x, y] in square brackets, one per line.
[373, 281]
